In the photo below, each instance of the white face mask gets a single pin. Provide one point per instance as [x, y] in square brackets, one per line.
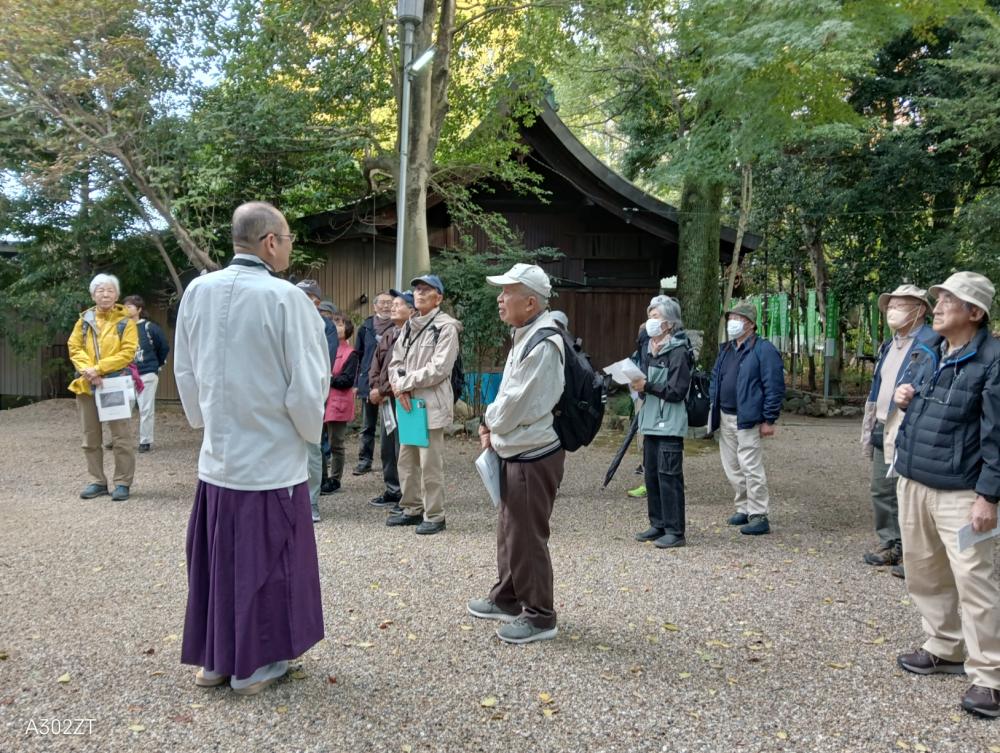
[898, 319]
[734, 328]
[654, 327]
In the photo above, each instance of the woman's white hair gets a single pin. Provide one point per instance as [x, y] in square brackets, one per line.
[103, 279]
[669, 309]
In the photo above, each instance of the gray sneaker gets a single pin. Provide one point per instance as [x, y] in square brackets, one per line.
[522, 631]
[485, 609]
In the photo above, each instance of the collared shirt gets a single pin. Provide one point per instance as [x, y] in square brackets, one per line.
[253, 369]
[893, 361]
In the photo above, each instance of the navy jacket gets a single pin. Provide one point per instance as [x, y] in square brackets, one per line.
[760, 383]
[153, 347]
[925, 339]
[365, 343]
[949, 438]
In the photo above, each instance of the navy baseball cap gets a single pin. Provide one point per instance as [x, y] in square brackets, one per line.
[406, 295]
[433, 280]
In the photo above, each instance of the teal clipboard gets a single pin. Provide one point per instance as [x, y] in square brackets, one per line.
[413, 423]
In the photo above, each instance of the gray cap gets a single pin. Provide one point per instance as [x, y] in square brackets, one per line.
[328, 307]
[969, 287]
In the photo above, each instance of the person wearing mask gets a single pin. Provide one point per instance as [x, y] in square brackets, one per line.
[666, 362]
[747, 390]
[905, 310]
[340, 403]
[381, 394]
[947, 455]
[370, 334]
[102, 344]
[150, 357]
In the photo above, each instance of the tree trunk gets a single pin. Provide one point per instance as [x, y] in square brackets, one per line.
[746, 198]
[698, 262]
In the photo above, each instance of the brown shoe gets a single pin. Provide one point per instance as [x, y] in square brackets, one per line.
[885, 556]
[982, 701]
[924, 662]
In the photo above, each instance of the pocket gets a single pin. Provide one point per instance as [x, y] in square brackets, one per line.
[671, 460]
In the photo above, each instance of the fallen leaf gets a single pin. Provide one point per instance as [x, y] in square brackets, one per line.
[782, 735]
[411, 637]
[992, 748]
[574, 637]
[331, 679]
[545, 697]
[488, 702]
[298, 674]
[549, 712]
[64, 678]
[137, 728]
[170, 638]
[407, 748]
[157, 673]
[4, 656]
[197, 705]
[466, 627]
[182, 718]
[391, 593]
[717, 643]
[500, 716]
[905, 602]
[903, 745]
[921, 747]
[671, 627]
[684, 675]
[384, 624]
[281, 709]
[97, 569]
[837, 665]
[364, 644]
[602, 647]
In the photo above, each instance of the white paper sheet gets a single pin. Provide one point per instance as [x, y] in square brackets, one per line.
[624, 371]
[488, 465]
[388, 417]
[114, 398]
[967, 537]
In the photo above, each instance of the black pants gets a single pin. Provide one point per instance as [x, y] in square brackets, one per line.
[663, 458]
[389, 454]
[369, 422]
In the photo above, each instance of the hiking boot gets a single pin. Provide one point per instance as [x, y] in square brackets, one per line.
[520, 630]
[923, 662]
[404, 520]
[362, 468]
[650, 534]
[756, 525]
[669, 541]
[638, 493]
[885, 555]
[144, 447]
[898, 571]
[330, 486]
[982, 701]
[485, 609]
[93, 490]
[120, 494]
[383, 500]
[427, 528]
[738, 519]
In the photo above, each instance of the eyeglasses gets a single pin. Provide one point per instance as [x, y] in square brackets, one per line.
[291, 236]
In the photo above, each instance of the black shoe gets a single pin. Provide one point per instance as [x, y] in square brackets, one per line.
[669, 541]
[93, 490]
[650, 534]
[396, 509]
[120, 494]
[923, 662]
[982, 701]
[330, 486]
[884, 556]
[383, 500]
[144, 447]
[898, 571]
[756, 526]
[362, 468]
[427, 528]
[404, 520]
[738, 519]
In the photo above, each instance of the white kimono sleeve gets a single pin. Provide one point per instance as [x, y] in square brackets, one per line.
[307, 359]
[184, 376]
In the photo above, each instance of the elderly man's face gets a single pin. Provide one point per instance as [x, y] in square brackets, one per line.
[276, 248]
[105, 296]
[383, 305]
[400, 311]
[516, 305]
[952, 316]
[426, 297]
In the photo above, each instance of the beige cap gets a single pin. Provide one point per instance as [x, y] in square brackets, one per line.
[530, 275]
[904, 291]
[969, 287]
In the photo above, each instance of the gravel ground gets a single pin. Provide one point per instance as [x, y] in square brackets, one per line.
[782, 642]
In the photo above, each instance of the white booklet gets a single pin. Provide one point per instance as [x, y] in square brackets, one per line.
[967, 537]
[114, 398]
[624, 371]
[488, 465]
[388, 417]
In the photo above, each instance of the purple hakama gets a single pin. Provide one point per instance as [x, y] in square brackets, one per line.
[253, 579]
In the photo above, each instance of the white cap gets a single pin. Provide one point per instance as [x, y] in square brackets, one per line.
[530, 275]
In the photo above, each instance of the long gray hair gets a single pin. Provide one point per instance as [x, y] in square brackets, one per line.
[669, 309]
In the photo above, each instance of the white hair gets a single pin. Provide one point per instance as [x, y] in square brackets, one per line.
[669, 309]
[103, 279]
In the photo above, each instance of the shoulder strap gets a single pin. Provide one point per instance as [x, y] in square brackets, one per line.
[122, 324]
[540, 336]
[408, 341]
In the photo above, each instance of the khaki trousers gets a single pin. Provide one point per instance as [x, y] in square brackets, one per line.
[93, 444]
[941, 579]
[742, 455]
[147, 408]
[421, 477]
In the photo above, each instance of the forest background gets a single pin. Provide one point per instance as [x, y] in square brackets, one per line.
[859, 140]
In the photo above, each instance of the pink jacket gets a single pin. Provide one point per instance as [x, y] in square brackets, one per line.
[340, 403]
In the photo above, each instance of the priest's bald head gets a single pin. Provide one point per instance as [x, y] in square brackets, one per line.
[261, 230]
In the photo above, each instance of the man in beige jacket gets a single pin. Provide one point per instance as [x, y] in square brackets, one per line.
[421, 365]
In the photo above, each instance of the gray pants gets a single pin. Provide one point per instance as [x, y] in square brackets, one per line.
[315, 474]
[884, 503]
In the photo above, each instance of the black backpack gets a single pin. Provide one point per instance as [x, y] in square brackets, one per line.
[578, 415]
[698, 402]
[458, 375]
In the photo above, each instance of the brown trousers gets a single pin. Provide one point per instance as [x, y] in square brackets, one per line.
[527, 492]
[93, 444]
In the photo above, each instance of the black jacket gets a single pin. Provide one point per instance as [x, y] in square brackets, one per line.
[950, 435]
[153, 347]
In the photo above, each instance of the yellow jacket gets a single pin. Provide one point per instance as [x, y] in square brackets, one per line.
[116, 352]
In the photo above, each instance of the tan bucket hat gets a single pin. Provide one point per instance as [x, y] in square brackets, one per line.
[969, 287]
[904, 291]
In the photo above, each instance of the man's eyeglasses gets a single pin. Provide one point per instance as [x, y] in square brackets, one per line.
[291, 236]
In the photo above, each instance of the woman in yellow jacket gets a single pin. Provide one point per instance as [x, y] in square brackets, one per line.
[101, 346]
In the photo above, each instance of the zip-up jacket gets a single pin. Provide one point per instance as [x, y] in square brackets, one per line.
[153, 347]
[760, 383]
[668, 376]
[950, 435]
